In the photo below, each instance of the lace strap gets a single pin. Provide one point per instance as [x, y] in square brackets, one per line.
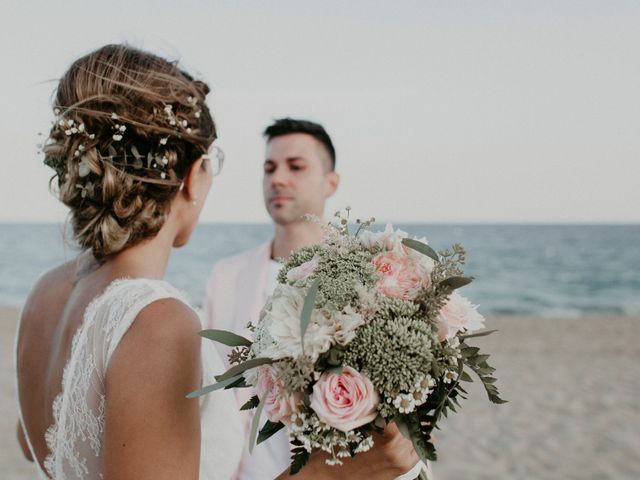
[118, 307]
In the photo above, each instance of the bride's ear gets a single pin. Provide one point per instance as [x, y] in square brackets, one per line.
[193, 179]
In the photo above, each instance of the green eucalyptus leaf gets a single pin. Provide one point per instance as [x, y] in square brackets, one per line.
[421, 247]
[254, 425]
[83, 169]
[307, 309]
[226, 338]
[484, 333]
[238, 369]
[135, 152]
[455, 282]
[213, 387]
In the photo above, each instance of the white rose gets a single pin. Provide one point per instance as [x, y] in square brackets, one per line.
[284, 327]
[387, 240]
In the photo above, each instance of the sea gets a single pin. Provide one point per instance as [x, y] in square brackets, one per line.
[543, 270]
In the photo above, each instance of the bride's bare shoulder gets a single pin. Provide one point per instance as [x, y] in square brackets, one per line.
[51, 291]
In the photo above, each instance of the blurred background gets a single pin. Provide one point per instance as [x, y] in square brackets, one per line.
[509, 126]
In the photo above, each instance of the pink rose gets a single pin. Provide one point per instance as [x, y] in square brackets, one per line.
[301, 272]
[345, 400]
[458, 315]
[278, 405]
[401, 273]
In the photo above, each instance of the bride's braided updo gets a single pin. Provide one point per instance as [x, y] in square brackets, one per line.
[128, 126]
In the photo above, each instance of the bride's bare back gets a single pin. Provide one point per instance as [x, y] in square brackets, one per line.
[49, 320]
[131, 351]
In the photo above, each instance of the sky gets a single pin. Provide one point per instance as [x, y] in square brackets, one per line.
[440, 111]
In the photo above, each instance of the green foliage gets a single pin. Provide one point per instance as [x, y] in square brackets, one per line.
[299, 457]
[226, 338]
[216, 386]
[478, 363]
[269, 429]
[250, 404]
[238, 369]
[456, 282]
[421, 247]
[307, 308]
[254, 426]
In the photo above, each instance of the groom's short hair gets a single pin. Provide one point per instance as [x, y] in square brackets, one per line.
[286, 126]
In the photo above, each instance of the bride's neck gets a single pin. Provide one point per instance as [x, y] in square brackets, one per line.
[147, 259]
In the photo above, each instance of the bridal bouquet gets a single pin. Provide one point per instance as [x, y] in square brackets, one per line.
[362, 330]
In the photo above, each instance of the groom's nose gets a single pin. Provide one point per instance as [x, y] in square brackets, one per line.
[280, 177]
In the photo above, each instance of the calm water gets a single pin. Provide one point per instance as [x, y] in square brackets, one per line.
[559, 270]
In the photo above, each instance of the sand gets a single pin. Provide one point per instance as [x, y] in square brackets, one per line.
[574, 411]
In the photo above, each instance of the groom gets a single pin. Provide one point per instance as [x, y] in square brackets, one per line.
[299, 177]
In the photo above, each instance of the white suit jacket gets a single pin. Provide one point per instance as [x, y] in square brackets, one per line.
[235, 290]
[234, 297]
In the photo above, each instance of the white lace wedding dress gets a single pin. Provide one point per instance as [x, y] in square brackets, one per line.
[75, 439]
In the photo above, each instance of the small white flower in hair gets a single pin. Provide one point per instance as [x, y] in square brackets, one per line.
[70, 122]
[172, 122]
[198, 113]
[81, 147]
[189, 130]
[163, 175]
[56, 111]
[68, 133]
[165, 160]
[92, 136]
[184, 123]
[114, 115]
[81, 127]
[122, 128]
[117, 137]
[61, 123]
[163, 141]
[168, 108]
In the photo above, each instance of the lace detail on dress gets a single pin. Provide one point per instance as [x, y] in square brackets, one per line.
[75, 438]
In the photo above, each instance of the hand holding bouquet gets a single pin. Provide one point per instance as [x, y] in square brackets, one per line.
[363, 330]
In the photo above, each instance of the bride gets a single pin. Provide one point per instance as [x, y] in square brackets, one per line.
[106, 349]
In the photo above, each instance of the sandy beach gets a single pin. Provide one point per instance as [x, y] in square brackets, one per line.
[574, 412]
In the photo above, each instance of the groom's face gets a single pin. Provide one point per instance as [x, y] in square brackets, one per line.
[297, 177]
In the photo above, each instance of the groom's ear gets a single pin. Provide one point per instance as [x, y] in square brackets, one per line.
[332, 181]
[193, 178]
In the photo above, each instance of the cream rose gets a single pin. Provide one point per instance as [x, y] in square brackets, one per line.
[458, 315]
[345, 400]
